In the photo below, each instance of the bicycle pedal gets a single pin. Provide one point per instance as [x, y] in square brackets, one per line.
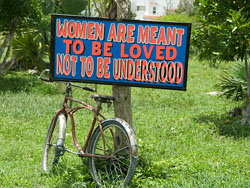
[60, 150]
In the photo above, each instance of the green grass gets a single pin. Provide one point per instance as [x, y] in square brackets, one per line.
[185, 139]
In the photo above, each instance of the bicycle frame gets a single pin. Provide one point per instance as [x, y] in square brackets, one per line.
[111, 147]
[67, 110]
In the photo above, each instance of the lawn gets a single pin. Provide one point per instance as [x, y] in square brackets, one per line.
[185, 139]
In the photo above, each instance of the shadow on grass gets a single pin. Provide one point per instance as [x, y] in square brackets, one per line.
[226, 125]
[17, 82]
[71, 176]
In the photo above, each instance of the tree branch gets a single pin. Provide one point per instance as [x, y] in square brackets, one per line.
[105, 12]
[7, 65]
[98, 10]
[124, 8]
[89, 13]
[102, 8]
[10, 35]
[247, 76]
[112, 12]
[8, 50]
[3, 46]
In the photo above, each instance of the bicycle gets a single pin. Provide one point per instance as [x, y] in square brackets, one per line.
[111, 147]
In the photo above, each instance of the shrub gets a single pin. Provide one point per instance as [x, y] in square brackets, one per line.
[31, 53]
[233, 82]
[181, 17]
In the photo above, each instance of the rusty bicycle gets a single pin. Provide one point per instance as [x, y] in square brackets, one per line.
[110, 144]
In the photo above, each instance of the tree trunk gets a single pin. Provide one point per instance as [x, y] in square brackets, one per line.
[89, 13]
[246, 112]
[122, 106]
[3, 46]
[8, 49]
[124, 9]
[6, 65]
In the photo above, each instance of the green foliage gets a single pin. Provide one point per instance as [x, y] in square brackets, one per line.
[64, 6]
[222, 32]
[32, 45]
[185, 6]
[28, 45]
[181, 17]
[44, 29]
[48, 6]
[233, 82]
[236, 32]
[17, 82]
[28, 12]
[73, 6]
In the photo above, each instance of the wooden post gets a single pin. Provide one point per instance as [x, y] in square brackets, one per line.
[122, 106]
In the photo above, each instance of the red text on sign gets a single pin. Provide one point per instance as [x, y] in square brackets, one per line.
[65, 64]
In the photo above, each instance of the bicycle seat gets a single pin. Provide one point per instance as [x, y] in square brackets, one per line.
[102, 98]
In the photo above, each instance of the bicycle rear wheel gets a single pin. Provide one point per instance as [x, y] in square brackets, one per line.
[116, 167]
[54, 144]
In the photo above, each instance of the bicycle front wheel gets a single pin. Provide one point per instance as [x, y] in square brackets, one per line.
[117, 162]
[54, 144]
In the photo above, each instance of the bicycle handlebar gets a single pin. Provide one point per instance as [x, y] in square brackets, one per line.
[45, 79]
[83, 87]
[74, 85]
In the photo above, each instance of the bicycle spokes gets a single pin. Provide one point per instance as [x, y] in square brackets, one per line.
[116, 168]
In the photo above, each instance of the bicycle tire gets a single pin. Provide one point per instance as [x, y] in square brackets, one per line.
[118, 169]
[53, 147]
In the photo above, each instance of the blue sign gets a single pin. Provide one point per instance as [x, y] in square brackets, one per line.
[121, 52]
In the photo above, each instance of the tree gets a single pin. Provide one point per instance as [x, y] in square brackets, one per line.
[22, 14]
[169, 6]
[222, 33]
[64, 6]
[14, 14]
[185, 6]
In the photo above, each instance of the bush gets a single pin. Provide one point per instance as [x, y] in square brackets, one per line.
[182, 17]
[233, 82]
[31, 52]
